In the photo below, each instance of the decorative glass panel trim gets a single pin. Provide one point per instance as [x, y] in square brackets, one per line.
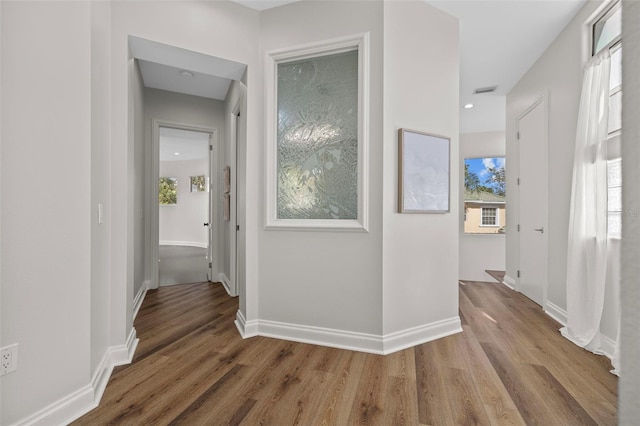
[317, 136]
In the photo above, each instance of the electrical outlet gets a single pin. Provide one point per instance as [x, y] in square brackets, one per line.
[8, 359]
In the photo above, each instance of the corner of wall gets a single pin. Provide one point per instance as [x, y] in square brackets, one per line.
[78, 403]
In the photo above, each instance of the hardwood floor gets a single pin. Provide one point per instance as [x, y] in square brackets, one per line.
[182, 264]
[509, 366]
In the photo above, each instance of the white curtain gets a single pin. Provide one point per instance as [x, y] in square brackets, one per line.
[587, 252]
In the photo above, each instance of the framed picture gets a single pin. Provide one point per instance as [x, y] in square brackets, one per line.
[227, 207]
[168, 191]
[198, 183]
[227, 179]
[423, 172]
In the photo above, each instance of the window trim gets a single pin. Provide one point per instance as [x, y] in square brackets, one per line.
[607, 13]
[359, 42]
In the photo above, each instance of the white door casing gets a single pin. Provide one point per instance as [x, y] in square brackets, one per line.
[154, 176]
[532, 140]
[212, 274]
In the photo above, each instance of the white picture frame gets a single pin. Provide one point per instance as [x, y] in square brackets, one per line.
[423, 172]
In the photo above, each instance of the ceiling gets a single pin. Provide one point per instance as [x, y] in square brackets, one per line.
[499, 41]
[184, 71]
[263, 4]
[183, 145]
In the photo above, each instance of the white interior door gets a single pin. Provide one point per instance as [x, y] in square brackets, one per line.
[533, 202]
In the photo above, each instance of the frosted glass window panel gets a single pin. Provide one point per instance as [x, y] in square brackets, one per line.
[317, 139]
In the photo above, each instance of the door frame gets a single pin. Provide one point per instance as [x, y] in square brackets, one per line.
[543, 101]
[154, 207]
[236, 110]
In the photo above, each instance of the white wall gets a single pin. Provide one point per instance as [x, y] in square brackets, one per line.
[185, 109]
[307, 277]
[629, 387]
[139, 247]
[479, 252]
[1, 97]
[558, 75]
[558, 72]
[205, 27]
[379, 281]
[46, 209]
[100, 194]
[327, 279]
[67, 284]
[62, 239]
[227, 154]
[182, 223]
[420, 251]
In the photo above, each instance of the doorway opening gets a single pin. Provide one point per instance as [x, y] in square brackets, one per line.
[162, 77]
[186, 214]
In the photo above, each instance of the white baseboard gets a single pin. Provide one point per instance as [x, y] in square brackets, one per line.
[85, 399]
[246, 328]
[226, 283]
[408, 338]
[137, 301]
[64, 410]
[556, 312]
[362, 342]
[340, 339]
[184, 244]
[509, 282]
[115, 356]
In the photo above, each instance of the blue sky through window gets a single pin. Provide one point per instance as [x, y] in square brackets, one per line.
[481, 166]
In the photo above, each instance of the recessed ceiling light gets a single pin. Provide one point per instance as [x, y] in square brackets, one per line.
[186, 74]
[468, 106]
[176, 153]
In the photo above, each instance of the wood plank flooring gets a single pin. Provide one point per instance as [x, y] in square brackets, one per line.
[510, 366]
